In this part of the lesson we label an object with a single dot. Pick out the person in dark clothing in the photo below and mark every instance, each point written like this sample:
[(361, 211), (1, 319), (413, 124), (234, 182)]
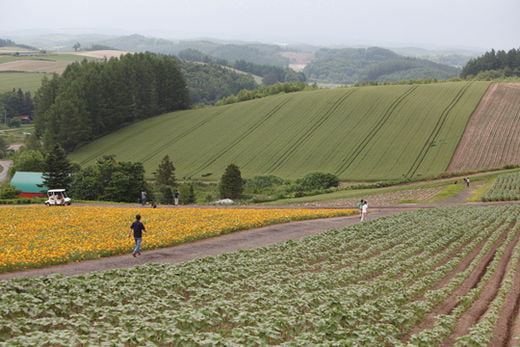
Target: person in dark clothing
[(137, 227)]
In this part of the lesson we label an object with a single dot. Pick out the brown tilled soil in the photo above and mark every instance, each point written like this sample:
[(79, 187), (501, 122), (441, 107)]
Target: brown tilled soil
[(491, 136)]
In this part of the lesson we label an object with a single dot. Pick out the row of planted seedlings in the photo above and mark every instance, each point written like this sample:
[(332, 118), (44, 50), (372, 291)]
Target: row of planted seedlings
[(446, 324), (481, 334), (366, 284), (419, 274), (505, 188)]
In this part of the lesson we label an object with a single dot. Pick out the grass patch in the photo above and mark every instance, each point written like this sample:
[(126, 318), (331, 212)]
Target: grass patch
[(410, 201), (448, 192)]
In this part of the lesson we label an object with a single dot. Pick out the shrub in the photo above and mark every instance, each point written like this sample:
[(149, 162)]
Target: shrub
[(318, 180)]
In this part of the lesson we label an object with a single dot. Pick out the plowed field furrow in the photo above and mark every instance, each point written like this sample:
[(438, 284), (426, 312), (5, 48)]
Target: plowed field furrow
[(507, 328), (241, 137), (347, 162), (319, 121), (491, 136), (488, 294), (477, 272), (435, 132)]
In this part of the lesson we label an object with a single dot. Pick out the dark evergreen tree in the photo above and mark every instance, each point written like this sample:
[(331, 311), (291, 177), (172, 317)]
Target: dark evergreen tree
[(57, 169), (508, 63), (165, 174), (3, 148), (231, 183), (190, 199), (91, 99)]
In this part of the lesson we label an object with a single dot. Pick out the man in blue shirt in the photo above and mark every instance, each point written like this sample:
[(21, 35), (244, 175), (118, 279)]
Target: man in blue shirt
[(138, 229)]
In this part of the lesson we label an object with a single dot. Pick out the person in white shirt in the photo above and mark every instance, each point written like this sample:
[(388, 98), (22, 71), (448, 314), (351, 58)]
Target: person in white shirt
[(364, 210)]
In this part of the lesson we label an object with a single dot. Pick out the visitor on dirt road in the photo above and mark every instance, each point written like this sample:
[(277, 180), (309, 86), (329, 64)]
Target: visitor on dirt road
[(364, 210), (138, 229), (143, 197), (176, 197), (360, 206)]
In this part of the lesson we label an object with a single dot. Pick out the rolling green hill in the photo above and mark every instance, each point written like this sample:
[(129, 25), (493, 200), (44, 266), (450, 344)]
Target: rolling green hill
[(357, 65), (364, 133)]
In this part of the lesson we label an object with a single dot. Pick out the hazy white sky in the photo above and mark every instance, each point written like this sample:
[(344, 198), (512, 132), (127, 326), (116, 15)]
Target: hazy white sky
[(429, 23)]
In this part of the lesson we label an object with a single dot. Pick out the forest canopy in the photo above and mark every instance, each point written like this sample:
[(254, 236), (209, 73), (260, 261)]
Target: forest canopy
[(91, 99), (358, 65), (506, 63)]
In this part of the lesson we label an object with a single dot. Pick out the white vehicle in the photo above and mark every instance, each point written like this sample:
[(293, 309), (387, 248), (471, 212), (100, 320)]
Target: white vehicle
[(57, 197)]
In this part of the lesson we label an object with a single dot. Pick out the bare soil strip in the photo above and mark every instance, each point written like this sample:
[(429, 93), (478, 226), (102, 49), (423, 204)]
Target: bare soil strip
[(491, 136), (508, 325)]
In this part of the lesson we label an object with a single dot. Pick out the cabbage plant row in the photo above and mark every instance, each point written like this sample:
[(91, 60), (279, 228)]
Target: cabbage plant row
[(367, 284), (505, 188)]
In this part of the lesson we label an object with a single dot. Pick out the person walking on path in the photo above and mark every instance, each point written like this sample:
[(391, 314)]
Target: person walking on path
[(176, 197), (364, 210), (143, 197), (360, 207), (137, 227)]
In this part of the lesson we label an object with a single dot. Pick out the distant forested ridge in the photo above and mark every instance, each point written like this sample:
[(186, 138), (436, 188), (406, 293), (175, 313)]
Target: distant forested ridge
[(9, 43), (6, 42), (92, 99), (257, 53), (270, 74), (208, 83), (502, 63), (357, 65)]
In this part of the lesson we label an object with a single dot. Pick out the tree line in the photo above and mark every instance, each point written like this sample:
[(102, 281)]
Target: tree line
[(92, 99), (208, 83), (508, 63), (16, 103), (270, 74)]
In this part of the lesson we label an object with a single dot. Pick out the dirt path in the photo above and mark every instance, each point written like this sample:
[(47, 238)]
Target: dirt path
[(5, 169), (241, 240)]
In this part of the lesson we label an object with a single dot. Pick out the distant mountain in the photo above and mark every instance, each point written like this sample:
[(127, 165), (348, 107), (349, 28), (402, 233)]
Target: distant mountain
[(258, 53), (358, 65)]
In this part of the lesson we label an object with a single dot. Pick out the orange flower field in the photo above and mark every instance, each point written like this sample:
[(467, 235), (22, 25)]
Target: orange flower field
[(37, 236)]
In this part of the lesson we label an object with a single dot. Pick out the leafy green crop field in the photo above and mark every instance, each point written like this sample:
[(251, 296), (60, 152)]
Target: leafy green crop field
[(359, 134), (372, 284), (505, 188)]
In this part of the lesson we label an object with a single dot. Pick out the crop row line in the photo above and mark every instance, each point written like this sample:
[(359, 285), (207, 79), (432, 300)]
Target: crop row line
[(241, 137), (180, 136), (436, 130), (483, 331), (317, 124), (446, 324), (373, 132)]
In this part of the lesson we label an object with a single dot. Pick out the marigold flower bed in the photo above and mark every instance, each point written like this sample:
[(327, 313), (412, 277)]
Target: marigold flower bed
[(39, 236)]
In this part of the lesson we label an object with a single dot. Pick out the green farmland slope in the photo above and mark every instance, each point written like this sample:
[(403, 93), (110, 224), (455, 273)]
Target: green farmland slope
[(364, 133)]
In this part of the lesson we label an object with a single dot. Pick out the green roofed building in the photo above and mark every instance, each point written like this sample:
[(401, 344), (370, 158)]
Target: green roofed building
[(30, 183)]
